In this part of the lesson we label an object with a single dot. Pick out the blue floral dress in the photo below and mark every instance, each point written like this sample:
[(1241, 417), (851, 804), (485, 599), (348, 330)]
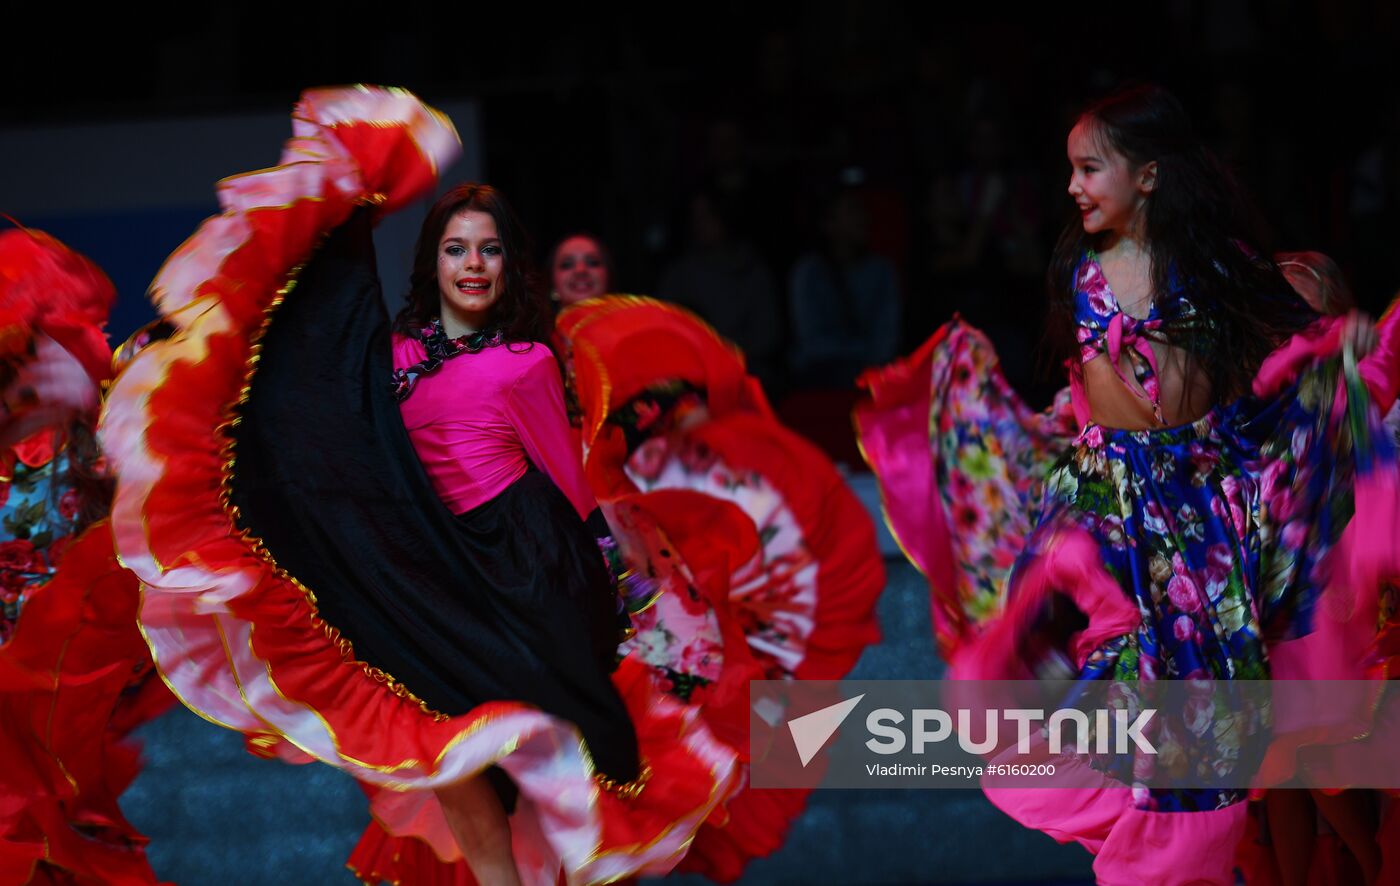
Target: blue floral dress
[(1206, 544), (1215, 529)]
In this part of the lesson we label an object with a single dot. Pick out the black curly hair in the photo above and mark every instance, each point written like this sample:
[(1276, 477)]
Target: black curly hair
[(521, 312)]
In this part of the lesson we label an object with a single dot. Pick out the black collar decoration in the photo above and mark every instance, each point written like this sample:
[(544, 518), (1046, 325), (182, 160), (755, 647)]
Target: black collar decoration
[(440, 349)]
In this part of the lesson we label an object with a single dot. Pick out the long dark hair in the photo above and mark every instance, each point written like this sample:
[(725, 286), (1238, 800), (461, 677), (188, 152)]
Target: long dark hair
[(1202, 233), (520, 313)]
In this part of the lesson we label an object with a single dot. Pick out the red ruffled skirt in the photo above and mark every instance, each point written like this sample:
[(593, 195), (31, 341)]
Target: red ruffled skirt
[(75, 678), (240, 641), (792, 567)]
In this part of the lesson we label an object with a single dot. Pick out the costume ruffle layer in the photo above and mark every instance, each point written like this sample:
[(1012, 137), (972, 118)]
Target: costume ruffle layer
[(1332, 863), (47, 288), (958, 457), (684, 635), (802, 596), (819, 572), (73, 682), (75, 676), (241, 642), (804, 603)]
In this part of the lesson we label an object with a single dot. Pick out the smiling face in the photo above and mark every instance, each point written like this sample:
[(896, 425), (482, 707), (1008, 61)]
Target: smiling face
[(579, 270), (1110, 191), (470, 271)]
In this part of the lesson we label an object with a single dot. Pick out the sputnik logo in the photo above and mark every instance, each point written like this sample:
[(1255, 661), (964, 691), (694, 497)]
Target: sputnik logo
[(811, 732)]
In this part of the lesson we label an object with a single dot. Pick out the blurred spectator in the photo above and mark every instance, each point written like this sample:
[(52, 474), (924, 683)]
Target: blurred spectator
[(722, 278), (580, 267), (986, 258), (1375, 209), (986, 217), (758, 200), (845, 302)]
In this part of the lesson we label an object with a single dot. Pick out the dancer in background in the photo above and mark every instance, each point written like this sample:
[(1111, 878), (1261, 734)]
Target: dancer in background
[(580, 268), (75, 676), (1318, 280), (1175, 506), (783, 556), (724, 279), (370, 549), (1293, 848)]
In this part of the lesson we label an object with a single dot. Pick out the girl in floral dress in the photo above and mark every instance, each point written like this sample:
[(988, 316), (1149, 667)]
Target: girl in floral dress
[(1181, 513)]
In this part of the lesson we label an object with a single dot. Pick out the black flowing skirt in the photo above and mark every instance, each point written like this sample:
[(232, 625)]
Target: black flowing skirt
[(510, 601)]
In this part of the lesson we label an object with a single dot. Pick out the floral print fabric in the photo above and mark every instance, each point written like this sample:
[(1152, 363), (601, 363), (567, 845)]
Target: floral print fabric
[(774, 596), (990, 454), (1218, 531), (37, 515), (1102, 327)]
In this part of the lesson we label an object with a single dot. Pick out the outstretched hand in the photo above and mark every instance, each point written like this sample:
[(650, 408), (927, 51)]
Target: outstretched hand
[(1359, 331)]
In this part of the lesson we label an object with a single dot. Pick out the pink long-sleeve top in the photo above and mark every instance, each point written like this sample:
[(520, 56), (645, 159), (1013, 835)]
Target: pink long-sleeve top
[(481, 419)]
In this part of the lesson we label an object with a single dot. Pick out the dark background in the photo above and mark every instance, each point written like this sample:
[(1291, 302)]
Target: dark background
[(609, 118)]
